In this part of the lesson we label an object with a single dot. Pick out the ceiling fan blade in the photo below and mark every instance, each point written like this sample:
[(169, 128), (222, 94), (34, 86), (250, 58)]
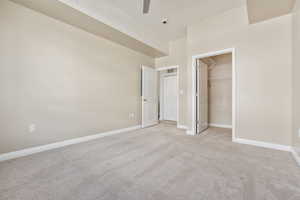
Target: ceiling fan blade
[(146, 6)]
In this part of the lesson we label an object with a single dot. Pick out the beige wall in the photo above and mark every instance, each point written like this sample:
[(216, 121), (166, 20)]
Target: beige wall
[(66, 81), (263, 69), (178, 57), (69, 83), (296, 75), (220, 90)]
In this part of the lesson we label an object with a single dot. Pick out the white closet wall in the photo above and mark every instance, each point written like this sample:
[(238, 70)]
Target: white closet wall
[(220, 90)]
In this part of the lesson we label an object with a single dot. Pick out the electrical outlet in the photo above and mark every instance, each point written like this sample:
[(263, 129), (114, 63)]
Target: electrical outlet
[(31, 128), (299, 132), (131, 115)]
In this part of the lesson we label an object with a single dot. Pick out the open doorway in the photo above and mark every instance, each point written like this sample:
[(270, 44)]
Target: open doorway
[(214, 91), (160, 97), (168, 94)]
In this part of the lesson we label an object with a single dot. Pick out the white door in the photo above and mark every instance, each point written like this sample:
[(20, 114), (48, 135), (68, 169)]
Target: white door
[(149, 97), (170, 98), (202, 97)]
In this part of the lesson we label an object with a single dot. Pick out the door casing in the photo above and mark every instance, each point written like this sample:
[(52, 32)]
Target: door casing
[(179, 91), (192, 130), (163, 106)]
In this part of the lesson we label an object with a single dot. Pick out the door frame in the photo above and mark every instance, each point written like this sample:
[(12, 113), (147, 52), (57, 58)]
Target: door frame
[(162, 95), (178, 89), (234, 93)]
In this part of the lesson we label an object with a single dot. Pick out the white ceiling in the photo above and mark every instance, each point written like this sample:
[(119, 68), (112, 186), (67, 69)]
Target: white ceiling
[(179, 12), (62, 12), (260, 10), (122, 21), (126, 16)]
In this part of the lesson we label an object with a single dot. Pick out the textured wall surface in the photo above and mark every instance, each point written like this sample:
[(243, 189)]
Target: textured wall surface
[(65, 81), (220, 90), (263, 71)]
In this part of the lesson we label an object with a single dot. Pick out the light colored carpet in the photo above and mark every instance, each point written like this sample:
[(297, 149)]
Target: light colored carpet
[(158, 163)]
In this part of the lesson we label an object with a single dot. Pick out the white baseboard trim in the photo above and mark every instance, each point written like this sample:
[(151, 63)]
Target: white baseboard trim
[(154, 123), (33, 150), (182, 127), (190, 132), (263, 144), (220, 125), (296, 155)]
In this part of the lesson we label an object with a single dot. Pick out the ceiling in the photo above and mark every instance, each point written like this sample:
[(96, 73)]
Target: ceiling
[(126, 16), (147, 32), (260, 10), (62, 12)]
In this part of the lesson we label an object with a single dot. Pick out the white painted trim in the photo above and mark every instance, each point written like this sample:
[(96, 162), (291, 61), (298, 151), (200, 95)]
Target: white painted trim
[(263, 144), (220, 125), (142, 98), (34, 150), (161, 113), (182, 127), (161, 100), (167, 68), (162, 95), (178, 94), (154, 123), (295, 155), (234, 93), (189, 132)]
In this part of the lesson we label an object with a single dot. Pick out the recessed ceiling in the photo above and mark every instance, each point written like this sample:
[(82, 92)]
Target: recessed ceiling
[(260, 10), (62, 12), (179, 12), (127, 15)]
